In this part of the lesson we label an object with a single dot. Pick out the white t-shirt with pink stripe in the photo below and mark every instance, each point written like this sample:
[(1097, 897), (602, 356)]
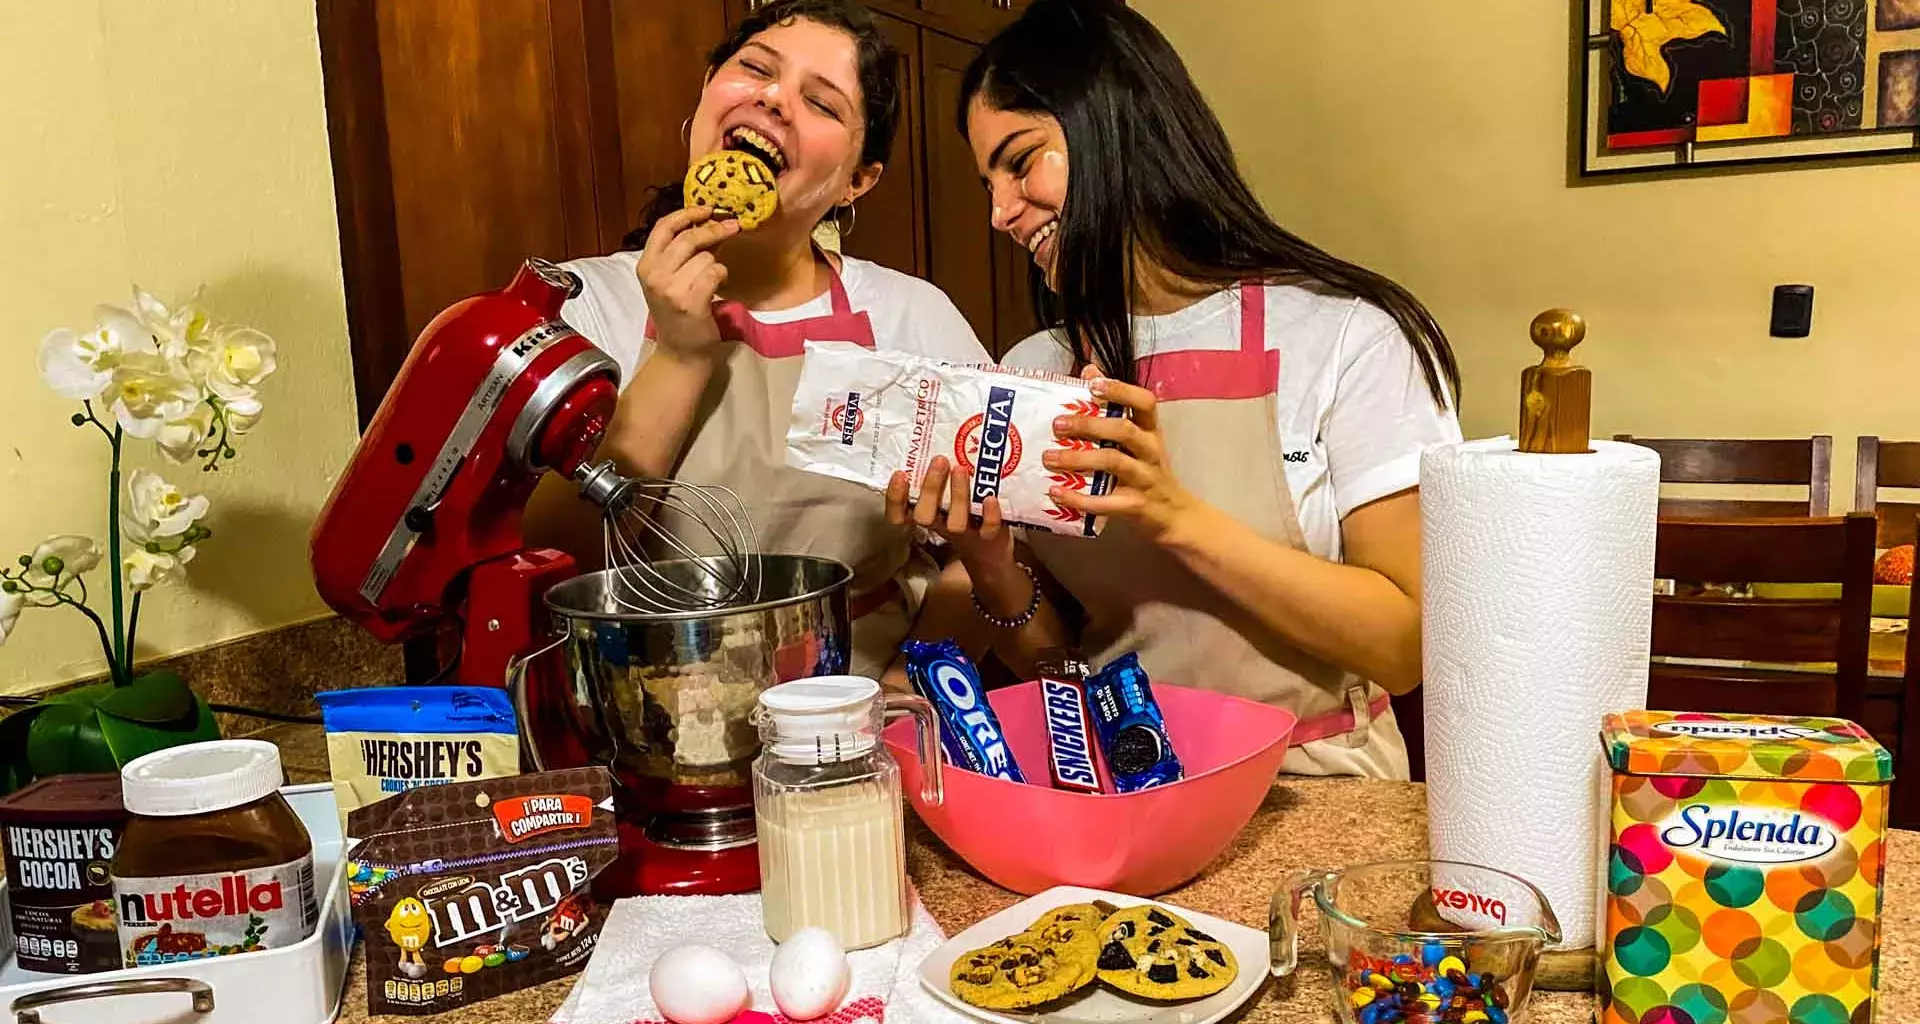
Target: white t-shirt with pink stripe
[(1353, 404)]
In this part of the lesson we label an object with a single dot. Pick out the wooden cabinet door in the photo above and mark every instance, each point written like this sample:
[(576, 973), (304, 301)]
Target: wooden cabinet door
[(959, 230), (978, 18), (467, 136), (659, 64), (891, 221)]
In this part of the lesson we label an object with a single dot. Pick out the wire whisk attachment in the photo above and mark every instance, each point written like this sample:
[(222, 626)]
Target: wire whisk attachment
[(658, 566)]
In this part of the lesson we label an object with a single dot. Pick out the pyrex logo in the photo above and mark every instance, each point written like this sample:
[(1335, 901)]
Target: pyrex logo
[(1749, 835), (953, 681), (1472, 903), (1736, 730)]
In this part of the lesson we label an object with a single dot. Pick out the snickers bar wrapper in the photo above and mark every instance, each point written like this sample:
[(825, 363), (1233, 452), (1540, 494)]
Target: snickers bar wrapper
[(472, 890), (862, 414)]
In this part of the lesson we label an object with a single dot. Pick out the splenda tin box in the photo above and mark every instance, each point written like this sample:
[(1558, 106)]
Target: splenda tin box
[(1744, 869)]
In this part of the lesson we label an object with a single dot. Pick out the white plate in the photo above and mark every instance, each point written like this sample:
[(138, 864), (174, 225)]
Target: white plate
[(1097, 1003)]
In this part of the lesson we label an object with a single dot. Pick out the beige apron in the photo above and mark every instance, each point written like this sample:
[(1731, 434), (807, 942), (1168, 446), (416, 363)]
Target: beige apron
[(739, 441), (1218, 416)]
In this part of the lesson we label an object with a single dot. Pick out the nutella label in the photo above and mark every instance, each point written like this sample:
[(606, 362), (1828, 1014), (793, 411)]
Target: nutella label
[(61, 896), (193, 917)]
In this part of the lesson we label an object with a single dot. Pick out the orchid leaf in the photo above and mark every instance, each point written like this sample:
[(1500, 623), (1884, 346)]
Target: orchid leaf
[(66, 738), (131, 739), (15, 768), (155, 698)]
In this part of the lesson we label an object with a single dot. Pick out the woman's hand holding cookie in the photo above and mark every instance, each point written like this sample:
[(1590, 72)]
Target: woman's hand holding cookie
[(680, 276)]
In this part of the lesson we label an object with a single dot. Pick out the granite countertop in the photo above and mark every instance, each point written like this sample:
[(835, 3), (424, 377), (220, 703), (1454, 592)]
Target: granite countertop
[(1305, 823)]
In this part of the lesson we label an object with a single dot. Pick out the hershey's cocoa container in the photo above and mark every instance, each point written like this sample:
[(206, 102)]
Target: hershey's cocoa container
[(60, 835)]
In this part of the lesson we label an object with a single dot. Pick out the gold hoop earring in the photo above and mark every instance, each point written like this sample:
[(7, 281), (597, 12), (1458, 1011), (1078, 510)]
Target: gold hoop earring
[(846, 218), (686, 133)]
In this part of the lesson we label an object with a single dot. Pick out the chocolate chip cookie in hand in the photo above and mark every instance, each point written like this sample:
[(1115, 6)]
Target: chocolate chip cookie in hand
[(733, 184)]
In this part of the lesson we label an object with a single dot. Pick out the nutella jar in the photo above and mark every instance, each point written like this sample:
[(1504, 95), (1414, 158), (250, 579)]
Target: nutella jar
[(214, 862), (60, 835)]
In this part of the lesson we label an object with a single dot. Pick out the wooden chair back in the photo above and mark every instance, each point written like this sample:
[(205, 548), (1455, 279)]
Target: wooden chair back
[(1762, 655), (1805, 462), (1880, 464)]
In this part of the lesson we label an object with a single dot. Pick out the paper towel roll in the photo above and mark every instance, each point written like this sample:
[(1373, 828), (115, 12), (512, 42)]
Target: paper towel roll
[(1538, 585)]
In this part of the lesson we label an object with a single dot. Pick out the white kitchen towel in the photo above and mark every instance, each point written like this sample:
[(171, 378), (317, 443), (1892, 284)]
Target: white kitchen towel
[(1538, 583), (614, 988)]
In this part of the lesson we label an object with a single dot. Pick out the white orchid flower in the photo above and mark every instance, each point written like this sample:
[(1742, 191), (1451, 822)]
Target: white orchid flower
[(145, 569), (181, 440), (233, 361), (58, 561), (243, 414), (157, 510), (149, 392), (80, 365), (10, 605), (174, 330)]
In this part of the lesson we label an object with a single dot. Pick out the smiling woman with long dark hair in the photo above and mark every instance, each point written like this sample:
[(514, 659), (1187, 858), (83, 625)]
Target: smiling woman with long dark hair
[(1265, 533)]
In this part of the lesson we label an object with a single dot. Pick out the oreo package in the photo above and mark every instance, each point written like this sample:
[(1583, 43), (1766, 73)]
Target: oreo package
[(1132, 732), (1073, 752), (969, 731)]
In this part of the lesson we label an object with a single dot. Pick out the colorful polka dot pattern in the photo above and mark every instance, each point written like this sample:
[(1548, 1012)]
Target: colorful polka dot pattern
[(1696, 939), (1688, 751)]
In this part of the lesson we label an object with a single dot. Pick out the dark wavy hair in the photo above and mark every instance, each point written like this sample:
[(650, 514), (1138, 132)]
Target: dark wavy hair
[(879, 85), (1153, 172)]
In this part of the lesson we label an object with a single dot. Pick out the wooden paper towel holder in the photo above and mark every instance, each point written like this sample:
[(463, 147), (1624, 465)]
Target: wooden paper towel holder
[(1556, 397), (1556, 410)]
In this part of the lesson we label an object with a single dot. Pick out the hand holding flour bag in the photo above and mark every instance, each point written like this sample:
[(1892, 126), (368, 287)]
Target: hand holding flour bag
[(861, 414)]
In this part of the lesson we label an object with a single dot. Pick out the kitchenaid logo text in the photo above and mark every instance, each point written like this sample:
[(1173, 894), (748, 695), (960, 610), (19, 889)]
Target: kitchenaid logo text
[(994, 435), (1067, 729), (55, 858), (1736, 730), (484, 908), (1749, 835), (966, 699), (1471, 902), (403, 764)]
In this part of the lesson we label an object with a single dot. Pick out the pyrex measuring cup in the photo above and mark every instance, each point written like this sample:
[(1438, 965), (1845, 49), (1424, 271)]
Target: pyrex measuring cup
[(1420, 942)]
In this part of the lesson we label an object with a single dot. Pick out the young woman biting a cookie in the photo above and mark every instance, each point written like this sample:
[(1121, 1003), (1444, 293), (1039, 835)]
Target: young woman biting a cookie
[(722, 285), (1266, 519)]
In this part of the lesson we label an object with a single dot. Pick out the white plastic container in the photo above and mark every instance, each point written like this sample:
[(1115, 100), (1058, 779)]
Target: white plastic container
[(300, 984)]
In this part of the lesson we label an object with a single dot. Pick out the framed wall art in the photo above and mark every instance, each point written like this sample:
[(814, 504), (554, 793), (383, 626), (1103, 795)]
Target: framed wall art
[(1682, 84)]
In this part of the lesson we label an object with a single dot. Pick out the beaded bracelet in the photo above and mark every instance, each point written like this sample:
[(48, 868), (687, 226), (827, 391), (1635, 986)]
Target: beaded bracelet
[(1033, 606)]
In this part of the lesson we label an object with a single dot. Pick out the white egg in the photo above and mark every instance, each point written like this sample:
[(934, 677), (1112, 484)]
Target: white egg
[(810, 974), (698, 985)]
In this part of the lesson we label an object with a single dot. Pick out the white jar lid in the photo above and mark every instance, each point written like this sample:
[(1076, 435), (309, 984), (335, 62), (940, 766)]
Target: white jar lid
[(823, 719), (200, 778)]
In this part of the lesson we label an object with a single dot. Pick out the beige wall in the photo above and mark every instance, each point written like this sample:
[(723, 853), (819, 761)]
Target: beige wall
[(1429, 141), (170, 144)]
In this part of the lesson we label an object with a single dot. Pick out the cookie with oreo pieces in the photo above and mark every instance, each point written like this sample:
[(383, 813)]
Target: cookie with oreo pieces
[(1151, 952)]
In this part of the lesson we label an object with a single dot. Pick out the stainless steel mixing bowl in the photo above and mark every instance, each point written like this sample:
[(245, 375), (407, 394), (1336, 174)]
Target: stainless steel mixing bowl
[(665, 698)]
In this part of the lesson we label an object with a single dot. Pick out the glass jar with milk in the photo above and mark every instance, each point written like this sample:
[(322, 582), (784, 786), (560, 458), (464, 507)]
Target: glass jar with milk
[(826, 800)]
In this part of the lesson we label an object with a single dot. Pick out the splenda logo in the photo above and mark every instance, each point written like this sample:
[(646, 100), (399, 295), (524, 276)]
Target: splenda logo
[(1749, 835)]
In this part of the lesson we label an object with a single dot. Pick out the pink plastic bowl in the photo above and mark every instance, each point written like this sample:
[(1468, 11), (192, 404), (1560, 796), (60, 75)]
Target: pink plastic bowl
[(1029, 838)]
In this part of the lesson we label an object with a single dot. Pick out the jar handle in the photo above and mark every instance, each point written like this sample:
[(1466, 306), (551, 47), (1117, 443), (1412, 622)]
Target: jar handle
[(1283, 919), (927, 729)]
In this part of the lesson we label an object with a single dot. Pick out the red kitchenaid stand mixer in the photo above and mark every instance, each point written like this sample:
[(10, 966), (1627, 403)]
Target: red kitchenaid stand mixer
[(422, 535)]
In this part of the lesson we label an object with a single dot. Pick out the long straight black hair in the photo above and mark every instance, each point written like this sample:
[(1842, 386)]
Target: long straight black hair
[(879, 74), (1153, 173)]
